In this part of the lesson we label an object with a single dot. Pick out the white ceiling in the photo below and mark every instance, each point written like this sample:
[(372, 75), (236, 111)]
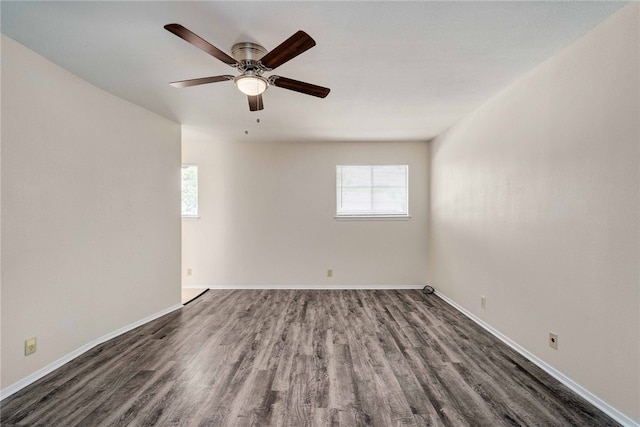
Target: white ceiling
[(397, 70)]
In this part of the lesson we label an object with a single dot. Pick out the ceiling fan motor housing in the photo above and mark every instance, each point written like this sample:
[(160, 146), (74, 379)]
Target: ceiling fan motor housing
[(248, 56)]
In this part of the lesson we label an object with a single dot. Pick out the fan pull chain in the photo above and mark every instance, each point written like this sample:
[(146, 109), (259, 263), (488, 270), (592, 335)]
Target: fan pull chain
[(246, 132), (246, 120)]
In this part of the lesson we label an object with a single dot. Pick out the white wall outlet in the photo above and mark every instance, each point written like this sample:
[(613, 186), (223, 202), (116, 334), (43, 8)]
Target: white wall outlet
[(483, 301), (29, 346), (189, 272), (553, 340), (329, 273)]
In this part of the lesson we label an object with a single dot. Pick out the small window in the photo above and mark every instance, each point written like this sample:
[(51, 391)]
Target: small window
[(372, 191), (190, 191)]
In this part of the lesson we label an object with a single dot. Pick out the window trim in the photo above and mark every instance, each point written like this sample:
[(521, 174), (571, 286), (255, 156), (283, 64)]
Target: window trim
[(368, 215), (384, 217)]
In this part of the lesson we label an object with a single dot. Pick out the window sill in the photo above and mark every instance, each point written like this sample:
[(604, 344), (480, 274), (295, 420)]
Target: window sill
[(190, 218), (372, 218)]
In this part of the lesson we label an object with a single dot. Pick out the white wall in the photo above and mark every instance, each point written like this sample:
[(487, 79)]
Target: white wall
[(267, 217), (535, 204), (90, 212)]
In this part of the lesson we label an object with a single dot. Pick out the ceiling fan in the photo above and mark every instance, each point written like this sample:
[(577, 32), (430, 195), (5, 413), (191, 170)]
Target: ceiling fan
[(252, 60)]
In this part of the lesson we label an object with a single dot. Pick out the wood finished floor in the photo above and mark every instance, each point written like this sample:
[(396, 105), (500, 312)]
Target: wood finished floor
[(302, 358)]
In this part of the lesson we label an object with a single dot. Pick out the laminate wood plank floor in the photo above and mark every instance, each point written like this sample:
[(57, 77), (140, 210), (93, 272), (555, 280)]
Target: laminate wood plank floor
[(302, 358)]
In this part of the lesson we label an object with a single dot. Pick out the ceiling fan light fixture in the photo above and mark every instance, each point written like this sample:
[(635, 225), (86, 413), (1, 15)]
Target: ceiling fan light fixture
[(251, 85)]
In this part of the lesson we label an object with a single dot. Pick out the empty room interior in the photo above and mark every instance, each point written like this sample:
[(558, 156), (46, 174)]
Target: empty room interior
[(320, 213)]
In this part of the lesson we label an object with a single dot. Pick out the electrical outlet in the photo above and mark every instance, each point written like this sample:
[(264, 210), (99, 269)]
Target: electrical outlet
[(29, 346), (483, 301), (329, 273), (553, 340), (189, 272)]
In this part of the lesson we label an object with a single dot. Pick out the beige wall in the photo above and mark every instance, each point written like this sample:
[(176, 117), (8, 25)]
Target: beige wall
[(267, 217), (535, 204), (90, 212)]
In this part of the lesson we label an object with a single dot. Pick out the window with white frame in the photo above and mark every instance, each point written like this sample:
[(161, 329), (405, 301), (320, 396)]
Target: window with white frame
[(372, 191), (190, 191)]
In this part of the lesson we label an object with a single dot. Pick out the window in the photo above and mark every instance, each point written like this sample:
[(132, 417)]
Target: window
[(372, 191), (190, 191)]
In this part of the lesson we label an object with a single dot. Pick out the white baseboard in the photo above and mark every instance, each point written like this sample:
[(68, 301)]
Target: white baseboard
[(316, 287), (583, 392), (69, 357)]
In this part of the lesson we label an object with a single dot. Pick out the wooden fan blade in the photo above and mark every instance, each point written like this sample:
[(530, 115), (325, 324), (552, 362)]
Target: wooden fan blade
[(302, 87), (200, 43), (255, 103), (288, 49), (201, 81)]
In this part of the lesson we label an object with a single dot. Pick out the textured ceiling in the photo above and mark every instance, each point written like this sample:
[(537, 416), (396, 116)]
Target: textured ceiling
[(397, 70)]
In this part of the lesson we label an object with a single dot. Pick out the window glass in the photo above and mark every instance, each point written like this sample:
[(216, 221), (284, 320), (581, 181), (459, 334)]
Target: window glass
[(189, 190), (372, 190)]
